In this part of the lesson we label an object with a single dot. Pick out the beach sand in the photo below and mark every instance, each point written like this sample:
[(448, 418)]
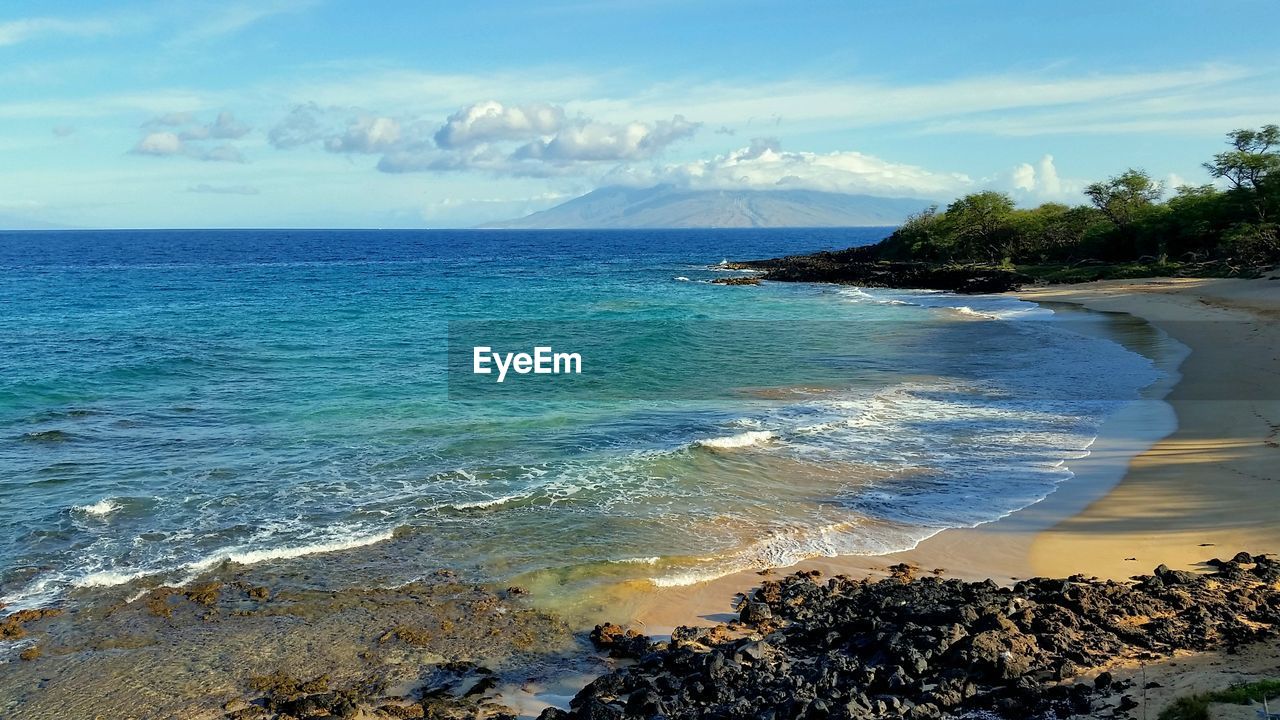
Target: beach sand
[(1146, 494), (1213, 486)]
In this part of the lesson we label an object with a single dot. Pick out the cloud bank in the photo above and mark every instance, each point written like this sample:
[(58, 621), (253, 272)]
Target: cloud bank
[(542, 140), (531, 140), (491, 121), (181, 134), (764, 165)]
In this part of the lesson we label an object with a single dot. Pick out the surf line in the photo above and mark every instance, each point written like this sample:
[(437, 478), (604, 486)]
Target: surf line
[(543, 361)]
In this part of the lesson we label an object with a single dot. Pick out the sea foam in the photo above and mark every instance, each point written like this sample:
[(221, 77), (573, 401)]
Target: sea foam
[(740, 440), (102, 508)]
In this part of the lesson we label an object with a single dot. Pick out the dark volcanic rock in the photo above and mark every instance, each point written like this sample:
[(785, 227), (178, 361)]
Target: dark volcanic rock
[(736, 281), (930, 648), (858, 266), (620, 642), (755, 612)]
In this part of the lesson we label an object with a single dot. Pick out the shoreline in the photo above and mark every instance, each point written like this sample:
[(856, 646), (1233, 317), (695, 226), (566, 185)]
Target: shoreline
[(1213, 481), (1062, 534), (1109, 519)]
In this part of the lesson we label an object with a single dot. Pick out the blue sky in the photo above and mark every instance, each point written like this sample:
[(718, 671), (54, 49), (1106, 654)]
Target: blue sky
[(320, 113)]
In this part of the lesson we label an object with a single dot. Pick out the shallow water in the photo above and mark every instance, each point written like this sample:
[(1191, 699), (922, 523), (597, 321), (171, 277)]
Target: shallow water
[(174, 401)]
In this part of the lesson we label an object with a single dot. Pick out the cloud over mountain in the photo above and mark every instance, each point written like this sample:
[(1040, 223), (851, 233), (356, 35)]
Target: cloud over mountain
[(764, 165)]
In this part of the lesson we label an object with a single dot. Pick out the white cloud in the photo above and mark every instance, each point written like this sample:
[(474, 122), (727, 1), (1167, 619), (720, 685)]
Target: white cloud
[(1038, 183), (530, 140), (303, 125), (607, 142), (1023, 177), (171, 119), (367, 134), (492, 121), (22, 30), (221, 153), (228, 18), (431, 94), (1173, 181), (763, 165), (364, 133), (161, 144), (224, 127), (1047, 180), (997, 104), (184, 136)]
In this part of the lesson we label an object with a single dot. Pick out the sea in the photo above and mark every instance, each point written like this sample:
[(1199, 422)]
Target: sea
[(177, 402)]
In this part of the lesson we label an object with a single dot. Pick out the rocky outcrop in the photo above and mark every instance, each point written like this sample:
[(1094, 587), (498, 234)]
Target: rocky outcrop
[(858, 266), (932, 648), (736, 281)]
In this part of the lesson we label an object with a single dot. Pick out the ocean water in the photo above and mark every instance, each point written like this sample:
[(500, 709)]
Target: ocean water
[(174, 402)]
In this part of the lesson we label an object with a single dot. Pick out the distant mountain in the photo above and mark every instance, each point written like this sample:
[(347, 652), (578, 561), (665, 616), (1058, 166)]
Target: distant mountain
[(17, 222), (667, 206)]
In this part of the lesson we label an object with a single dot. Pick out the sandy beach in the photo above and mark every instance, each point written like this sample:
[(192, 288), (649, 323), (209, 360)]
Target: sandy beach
[(1149, 492), (1213, 482)]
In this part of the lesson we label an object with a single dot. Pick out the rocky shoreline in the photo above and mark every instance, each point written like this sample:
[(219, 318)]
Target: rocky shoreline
[(908, 647), (802, 647), (860, 266)]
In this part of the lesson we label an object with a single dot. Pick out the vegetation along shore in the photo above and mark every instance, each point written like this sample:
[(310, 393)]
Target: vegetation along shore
[(982, 243)]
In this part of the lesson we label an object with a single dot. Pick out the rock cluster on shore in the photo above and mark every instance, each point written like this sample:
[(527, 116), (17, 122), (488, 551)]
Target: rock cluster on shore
[(930, 648), (858, 266)]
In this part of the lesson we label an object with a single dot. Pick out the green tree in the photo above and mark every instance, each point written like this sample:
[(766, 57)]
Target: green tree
[(1122, 198), (982, 225), (1053, 232), (1197, 216), (922, 237), (1251, 166)]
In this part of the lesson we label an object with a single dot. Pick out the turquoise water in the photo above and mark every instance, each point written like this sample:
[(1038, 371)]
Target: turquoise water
[(174, 401)]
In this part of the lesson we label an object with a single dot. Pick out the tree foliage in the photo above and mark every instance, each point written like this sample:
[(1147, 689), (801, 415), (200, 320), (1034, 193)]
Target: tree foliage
[(1251, 167), (1124, 219), (1123, 197)]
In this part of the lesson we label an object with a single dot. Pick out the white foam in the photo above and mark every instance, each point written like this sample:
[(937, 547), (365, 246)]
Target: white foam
[(473, 504), (39, 591), (991, 307), (102, 508), (638, 561), (723, 266), (251, 557), (107, 578), (859, 295), (741, 440), (1022, 310), (785, 548), (691, 578), (682, 278)]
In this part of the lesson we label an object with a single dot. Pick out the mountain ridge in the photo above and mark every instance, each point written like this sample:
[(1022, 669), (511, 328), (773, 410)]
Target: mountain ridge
[(668, 206)]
